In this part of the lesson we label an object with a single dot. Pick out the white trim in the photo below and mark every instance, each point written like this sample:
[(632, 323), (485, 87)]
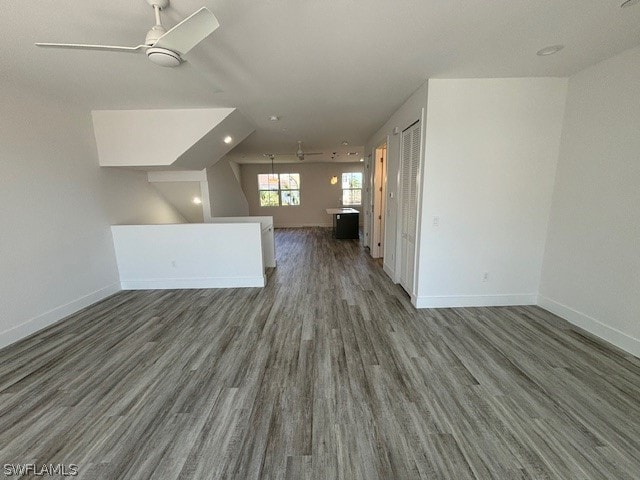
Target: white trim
[(189, 283), (419, 182), (455, 301), (55, 315), (400, 202), (377, 251), (592, 325)]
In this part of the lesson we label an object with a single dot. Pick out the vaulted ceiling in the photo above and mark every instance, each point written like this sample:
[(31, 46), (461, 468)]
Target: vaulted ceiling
[(332, 70)]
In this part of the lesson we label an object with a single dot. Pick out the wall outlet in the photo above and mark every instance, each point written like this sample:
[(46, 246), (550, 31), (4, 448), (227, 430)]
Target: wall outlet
[(174, 264), (485, 277), (436, 221)]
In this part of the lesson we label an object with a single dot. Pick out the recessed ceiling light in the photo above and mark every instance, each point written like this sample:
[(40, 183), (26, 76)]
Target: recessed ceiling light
[(228, 139), (274, 118), (629, 3), (362, 159), (549, 50), (197, 200)]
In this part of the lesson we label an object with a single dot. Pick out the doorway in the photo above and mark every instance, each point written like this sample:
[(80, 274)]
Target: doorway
[(379, 193), (409, 171)]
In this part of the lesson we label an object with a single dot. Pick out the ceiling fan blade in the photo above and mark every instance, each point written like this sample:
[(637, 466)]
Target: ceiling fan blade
[(189, 32), (79, 46), (295, 154)]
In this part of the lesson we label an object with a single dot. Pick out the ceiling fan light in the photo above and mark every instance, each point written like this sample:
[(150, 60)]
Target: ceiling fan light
[(164, 57)]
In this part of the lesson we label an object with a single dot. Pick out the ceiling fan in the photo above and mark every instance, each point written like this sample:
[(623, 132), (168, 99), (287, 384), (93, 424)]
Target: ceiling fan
[(162, 47), (299, 153)]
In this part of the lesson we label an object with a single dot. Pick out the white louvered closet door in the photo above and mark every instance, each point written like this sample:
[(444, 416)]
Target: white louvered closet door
[(409, 165)]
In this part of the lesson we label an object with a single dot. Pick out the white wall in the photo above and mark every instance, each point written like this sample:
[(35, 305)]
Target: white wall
[(406, 115), (180, 187), (491, 154), (225, 193), (56, 252), (180, 195), (126, 196), (189, 256), (152, 137), (591, 272), (316, 192), (268, 239)]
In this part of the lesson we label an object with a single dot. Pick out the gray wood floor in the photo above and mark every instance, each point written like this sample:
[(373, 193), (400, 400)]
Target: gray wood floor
[(326, 373)]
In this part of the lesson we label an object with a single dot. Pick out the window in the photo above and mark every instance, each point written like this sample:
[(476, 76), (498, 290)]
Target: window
[(268, 188), (352, 188), (279, 189)]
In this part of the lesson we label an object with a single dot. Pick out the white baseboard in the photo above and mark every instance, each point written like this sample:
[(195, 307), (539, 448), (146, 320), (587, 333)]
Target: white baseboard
[(55, 315), (193, 283), (455, 301), (591, 325)]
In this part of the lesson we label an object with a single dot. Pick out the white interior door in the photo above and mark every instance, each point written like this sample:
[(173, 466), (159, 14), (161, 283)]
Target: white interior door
[(409, 164)]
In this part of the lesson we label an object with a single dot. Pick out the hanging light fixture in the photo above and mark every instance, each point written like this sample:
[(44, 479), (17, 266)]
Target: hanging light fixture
[(334, 179)]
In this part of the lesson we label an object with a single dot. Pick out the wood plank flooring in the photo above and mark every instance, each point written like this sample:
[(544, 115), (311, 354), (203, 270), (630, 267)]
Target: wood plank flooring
[(327, 373)]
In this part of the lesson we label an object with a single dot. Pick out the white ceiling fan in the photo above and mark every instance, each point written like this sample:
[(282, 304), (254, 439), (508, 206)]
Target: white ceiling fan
[(299, 153), (162, 47)]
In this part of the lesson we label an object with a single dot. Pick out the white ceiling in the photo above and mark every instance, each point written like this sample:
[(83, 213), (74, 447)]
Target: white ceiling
[(333, 70)]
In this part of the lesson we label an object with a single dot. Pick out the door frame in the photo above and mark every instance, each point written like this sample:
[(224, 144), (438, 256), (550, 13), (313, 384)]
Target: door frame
[(419, 193), (379, 251)]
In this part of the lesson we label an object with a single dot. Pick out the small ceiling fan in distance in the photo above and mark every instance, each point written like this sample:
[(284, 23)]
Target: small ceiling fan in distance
[(163, 47), (299, 153)]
